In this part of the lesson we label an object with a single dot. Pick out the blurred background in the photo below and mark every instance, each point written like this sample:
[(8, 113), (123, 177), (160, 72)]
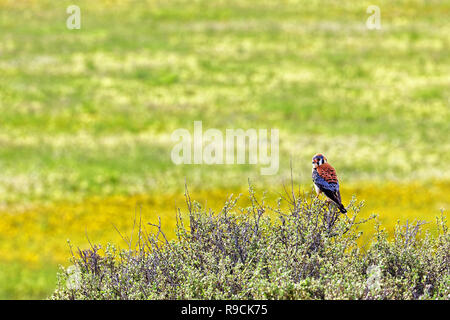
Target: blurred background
[(86, 115)]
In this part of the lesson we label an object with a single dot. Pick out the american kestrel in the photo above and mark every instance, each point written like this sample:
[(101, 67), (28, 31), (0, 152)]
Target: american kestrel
[(326, 181)]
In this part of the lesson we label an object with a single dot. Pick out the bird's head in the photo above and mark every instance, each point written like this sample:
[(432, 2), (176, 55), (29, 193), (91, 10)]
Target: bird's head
[(318, 160)]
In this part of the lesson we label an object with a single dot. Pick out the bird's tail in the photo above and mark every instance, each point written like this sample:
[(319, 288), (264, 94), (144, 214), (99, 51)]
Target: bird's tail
[(342, 208)]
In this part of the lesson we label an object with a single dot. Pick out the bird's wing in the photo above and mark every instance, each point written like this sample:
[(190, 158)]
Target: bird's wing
[(323, 184), (327, 172), (326, 179)]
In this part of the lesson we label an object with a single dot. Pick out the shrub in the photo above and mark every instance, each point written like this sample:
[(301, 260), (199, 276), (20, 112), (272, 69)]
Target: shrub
[(299, 249)]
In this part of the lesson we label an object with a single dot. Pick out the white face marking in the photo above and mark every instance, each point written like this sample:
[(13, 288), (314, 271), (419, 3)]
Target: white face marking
[(321, 161)]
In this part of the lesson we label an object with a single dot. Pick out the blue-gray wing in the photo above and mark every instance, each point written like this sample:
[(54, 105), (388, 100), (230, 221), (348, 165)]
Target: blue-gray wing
[(324, 185), (330, 189)]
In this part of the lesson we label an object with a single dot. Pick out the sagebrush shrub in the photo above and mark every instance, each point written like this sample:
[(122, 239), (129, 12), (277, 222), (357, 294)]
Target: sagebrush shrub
[(298, 249)]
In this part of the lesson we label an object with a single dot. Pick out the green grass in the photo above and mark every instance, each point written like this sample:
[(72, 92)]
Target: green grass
[(90, 112), (19, 282)]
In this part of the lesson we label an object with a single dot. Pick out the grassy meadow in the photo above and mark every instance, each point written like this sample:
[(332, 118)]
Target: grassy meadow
[(86, 116)]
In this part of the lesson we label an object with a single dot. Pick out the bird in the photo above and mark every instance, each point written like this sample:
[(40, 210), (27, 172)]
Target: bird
[(326, 181)]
